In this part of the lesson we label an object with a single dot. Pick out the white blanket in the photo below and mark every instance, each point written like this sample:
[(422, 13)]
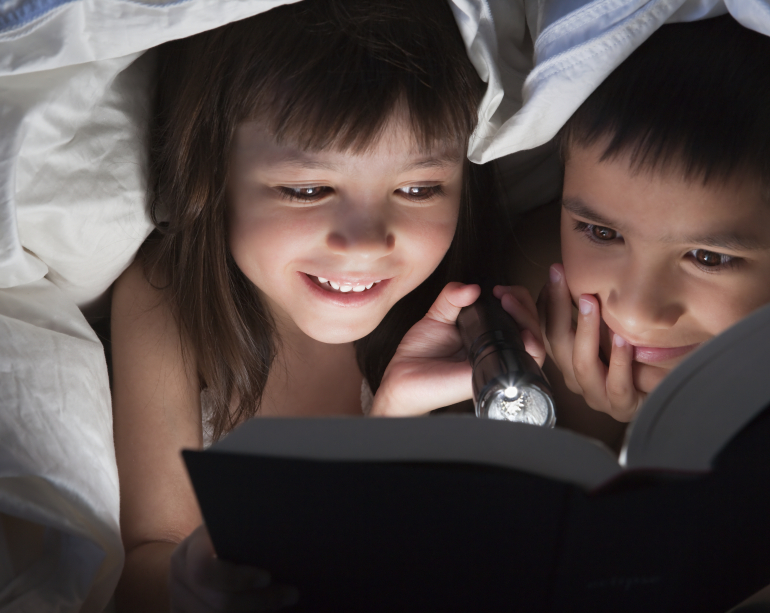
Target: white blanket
[(73, 110)]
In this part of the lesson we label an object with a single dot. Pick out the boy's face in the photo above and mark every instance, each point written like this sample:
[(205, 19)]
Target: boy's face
[(672, 262)]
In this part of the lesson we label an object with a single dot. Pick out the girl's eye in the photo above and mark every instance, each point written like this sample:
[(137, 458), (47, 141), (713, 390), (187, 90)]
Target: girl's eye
[(598, 234), (414, 192), (305, 194), (710, 260)]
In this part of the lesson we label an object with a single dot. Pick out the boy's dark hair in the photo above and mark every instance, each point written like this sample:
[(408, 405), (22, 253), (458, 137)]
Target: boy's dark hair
[(318, 74), (694, 97)]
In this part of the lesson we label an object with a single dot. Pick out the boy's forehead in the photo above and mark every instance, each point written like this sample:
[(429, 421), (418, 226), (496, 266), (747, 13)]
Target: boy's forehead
[(665, 206), (672, 166)]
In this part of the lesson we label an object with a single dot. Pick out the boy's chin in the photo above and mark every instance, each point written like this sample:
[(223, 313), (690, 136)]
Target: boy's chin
[(648, 377)]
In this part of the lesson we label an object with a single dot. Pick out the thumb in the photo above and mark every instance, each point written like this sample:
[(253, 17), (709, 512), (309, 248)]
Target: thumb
[(452, 298)]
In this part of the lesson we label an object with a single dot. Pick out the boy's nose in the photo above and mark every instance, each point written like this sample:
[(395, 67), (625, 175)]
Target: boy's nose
[(360, 233), (644, 300)]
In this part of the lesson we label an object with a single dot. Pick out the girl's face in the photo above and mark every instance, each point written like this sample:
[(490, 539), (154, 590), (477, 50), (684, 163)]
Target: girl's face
[(672, 262), (334, 239)]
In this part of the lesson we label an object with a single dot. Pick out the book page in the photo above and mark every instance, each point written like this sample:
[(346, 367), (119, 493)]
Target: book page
[(557, 454)]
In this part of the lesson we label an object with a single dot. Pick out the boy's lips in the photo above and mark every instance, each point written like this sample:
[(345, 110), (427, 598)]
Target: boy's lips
[(654, 355)]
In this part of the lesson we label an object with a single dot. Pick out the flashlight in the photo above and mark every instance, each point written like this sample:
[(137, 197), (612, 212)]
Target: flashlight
[(507, 382)]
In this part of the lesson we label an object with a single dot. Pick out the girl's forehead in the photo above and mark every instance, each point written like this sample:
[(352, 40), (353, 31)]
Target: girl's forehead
[(397, 144)]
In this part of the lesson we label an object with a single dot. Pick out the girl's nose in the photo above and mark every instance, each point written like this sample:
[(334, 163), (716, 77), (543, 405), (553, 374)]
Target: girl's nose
[(361, 233), (645, 300)]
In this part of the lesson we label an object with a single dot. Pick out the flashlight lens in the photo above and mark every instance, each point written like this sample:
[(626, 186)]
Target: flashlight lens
[(529, 406)]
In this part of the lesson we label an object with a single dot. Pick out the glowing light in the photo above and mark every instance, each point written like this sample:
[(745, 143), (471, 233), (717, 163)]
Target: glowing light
[(511, 392)]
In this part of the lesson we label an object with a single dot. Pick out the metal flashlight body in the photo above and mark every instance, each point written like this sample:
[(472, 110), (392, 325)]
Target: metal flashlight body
[(507, 382)]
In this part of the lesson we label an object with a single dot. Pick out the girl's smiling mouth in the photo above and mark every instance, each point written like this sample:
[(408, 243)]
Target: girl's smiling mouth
[(348, 293), (344, 285)]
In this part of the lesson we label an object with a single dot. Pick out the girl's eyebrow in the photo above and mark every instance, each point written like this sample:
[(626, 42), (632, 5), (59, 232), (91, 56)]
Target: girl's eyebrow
[(301, 160), (441, 161)]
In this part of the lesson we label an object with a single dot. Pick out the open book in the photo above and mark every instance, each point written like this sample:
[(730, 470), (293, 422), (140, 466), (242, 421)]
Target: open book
[(459, 513)]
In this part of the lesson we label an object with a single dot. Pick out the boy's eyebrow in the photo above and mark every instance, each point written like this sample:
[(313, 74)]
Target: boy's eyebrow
[(727, 240), (730, 241), (577, 207)]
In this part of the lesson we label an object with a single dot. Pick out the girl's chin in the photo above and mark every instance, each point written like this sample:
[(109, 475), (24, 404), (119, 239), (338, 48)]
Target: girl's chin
[(337, 332)]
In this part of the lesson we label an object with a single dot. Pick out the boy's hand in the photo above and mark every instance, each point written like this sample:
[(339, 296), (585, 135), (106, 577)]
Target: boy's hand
[(610, 389), (429, 369), (518, 303)]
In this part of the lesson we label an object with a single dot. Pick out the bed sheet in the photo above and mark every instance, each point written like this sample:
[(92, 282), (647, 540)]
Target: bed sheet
[(74, 92)]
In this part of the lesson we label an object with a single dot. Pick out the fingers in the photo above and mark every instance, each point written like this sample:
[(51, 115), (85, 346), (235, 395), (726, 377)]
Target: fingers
[(412, 387), (609, 389), (452, 298), (518, 303), (623, 397), (204, 567), (429, 369), (201, 582), (589, 371), (555, 310)]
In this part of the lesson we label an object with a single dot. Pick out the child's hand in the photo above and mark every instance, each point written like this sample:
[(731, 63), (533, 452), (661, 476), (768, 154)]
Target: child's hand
[(518, 303), (429, 369), (201, 582), (576, 351)]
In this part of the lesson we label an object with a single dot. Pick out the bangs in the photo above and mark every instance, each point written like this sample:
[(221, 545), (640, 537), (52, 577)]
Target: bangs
[(333, 74), (693, 99)]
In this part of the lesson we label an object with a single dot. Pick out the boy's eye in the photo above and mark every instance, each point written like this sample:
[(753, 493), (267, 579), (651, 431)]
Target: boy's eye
[(711, 259), (597, 234), (603, 234), (417, 192), (305, 194)]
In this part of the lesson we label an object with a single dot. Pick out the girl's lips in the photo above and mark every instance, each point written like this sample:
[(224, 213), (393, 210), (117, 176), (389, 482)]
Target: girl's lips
[(343, 299), (653, 355)]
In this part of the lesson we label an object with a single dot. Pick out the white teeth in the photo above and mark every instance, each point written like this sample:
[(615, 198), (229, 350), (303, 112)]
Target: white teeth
[(346, 287), (378, 280)]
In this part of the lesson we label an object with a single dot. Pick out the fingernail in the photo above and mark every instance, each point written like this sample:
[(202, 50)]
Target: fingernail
[(586, 307), (509, 297), (619, 341), (554, 274)]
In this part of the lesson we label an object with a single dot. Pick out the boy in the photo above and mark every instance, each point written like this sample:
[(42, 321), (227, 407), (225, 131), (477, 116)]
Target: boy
[(665, 220)]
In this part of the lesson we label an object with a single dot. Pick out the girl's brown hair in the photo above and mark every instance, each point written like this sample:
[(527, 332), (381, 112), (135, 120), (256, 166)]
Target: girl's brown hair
[(318, 74)]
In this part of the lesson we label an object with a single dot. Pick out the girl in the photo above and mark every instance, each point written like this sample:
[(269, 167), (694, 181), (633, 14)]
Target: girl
[(312, 198)]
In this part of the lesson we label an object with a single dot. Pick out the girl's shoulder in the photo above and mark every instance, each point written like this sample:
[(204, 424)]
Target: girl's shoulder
[(146, 337), (135, 294)]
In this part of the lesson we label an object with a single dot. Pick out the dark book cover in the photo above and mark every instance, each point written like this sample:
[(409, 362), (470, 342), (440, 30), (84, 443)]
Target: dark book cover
[(439, 536)]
